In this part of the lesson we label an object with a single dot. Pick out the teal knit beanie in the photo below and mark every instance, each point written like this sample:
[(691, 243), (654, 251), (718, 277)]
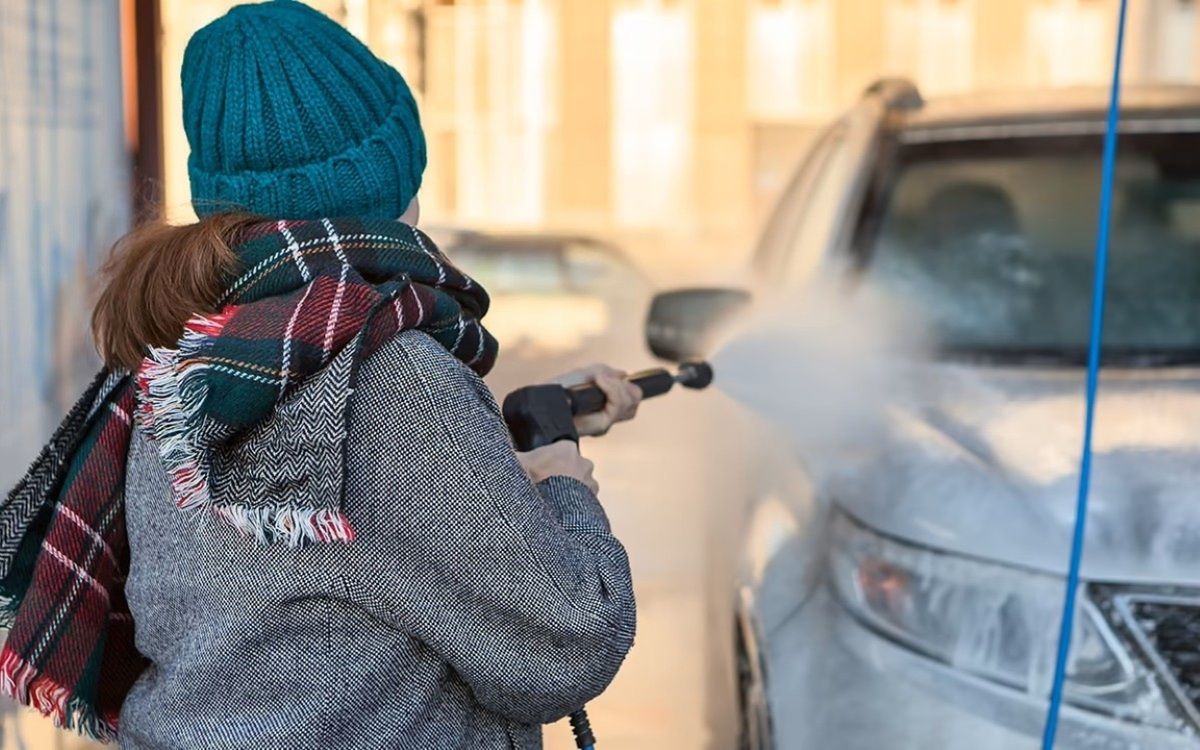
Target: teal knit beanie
[(291, 117)]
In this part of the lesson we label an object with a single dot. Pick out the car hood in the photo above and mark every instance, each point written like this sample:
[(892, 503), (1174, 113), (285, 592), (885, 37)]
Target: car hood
[(986, 463)]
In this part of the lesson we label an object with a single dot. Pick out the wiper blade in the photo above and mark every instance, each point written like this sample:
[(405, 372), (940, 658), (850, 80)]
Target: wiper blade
[(1120, 356)]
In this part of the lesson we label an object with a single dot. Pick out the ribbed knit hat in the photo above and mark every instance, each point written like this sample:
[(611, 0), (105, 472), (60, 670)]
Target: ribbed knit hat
[(290, 116)]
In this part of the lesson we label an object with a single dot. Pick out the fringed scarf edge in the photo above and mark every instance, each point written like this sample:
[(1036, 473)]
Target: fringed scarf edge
[(172, 389), (25, 684)]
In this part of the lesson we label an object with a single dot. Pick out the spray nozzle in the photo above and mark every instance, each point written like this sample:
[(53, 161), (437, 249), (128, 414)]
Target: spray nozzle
[(697, 374)]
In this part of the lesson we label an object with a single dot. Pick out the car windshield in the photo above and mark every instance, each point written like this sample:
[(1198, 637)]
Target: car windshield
[(992, 242)]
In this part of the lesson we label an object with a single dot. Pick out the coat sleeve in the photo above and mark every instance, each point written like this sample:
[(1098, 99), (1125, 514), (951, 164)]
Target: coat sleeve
[(522, 589)]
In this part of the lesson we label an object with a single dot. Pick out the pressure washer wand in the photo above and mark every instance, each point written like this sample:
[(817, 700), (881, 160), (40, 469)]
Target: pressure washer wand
[(539, 415)]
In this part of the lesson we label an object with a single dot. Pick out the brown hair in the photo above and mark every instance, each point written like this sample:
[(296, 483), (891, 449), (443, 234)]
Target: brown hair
[(158, 276)]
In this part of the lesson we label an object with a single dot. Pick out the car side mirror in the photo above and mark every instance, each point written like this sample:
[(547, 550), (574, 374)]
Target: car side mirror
[(683, 324)]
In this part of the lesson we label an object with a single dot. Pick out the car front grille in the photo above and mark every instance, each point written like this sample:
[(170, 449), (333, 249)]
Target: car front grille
[(1173, 630), (1164, 626)]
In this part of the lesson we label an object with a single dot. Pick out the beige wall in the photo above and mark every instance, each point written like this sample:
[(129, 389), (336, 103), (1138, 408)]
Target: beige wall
[(682, 118), (579, 140)]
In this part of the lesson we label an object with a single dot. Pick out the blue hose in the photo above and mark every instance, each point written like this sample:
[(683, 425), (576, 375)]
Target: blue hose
[(1093, 377)]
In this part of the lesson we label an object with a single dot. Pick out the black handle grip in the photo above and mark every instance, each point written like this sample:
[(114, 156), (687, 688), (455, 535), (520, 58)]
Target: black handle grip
[(653, 382), (586, 399), (538, 415)]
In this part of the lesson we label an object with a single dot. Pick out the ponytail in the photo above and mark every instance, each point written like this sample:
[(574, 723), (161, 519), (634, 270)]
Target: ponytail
[(157, 278)]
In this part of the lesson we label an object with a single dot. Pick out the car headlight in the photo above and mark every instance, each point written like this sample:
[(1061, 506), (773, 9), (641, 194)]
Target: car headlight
[(994, 621)]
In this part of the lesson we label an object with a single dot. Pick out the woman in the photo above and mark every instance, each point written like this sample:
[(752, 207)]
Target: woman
[(289, 515)]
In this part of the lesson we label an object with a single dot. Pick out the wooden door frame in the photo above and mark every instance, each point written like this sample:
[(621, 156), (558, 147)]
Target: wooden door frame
[(142, 26)]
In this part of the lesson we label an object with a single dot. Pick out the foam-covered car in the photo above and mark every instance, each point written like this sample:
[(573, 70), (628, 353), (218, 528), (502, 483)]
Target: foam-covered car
[(912, 601)]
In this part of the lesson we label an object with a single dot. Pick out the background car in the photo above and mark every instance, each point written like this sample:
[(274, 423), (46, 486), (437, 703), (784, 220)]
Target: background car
[(557, 299), (909, 596)]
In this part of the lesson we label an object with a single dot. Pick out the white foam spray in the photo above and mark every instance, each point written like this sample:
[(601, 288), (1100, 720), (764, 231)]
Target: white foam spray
[(823, 366)]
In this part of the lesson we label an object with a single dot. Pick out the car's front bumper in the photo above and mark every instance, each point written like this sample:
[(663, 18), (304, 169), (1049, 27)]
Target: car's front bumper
[(835, 684)]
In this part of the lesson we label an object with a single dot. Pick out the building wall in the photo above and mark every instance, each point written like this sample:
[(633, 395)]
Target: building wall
[(64, 198), (682, 118)]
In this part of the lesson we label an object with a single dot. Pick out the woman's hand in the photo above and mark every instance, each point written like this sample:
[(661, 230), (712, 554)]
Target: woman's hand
[(622, 397), (561, 459)]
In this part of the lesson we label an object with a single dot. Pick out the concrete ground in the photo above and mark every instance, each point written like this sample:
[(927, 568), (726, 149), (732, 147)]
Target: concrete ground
[(657, 489), (658, 698)]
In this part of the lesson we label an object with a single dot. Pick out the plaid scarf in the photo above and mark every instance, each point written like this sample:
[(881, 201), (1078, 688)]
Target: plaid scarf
[(305, 291)]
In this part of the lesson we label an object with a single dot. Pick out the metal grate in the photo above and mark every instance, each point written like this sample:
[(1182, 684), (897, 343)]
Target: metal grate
[(1173, 631), (1164, 624)]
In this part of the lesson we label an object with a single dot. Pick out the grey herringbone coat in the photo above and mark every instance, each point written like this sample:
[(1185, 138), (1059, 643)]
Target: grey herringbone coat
[(471, 607)]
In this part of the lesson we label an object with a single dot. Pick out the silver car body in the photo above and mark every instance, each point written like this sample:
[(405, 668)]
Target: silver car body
[(980, 479)]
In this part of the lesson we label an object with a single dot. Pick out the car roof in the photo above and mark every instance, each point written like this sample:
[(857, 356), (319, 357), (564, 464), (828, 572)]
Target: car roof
[(531, 243), (1085, 106)]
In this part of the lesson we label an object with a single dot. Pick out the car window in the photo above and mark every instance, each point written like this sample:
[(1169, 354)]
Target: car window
[(589, 266), (992, 243), (827, 206), (780, 232), (509, 271), (817, 207)]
